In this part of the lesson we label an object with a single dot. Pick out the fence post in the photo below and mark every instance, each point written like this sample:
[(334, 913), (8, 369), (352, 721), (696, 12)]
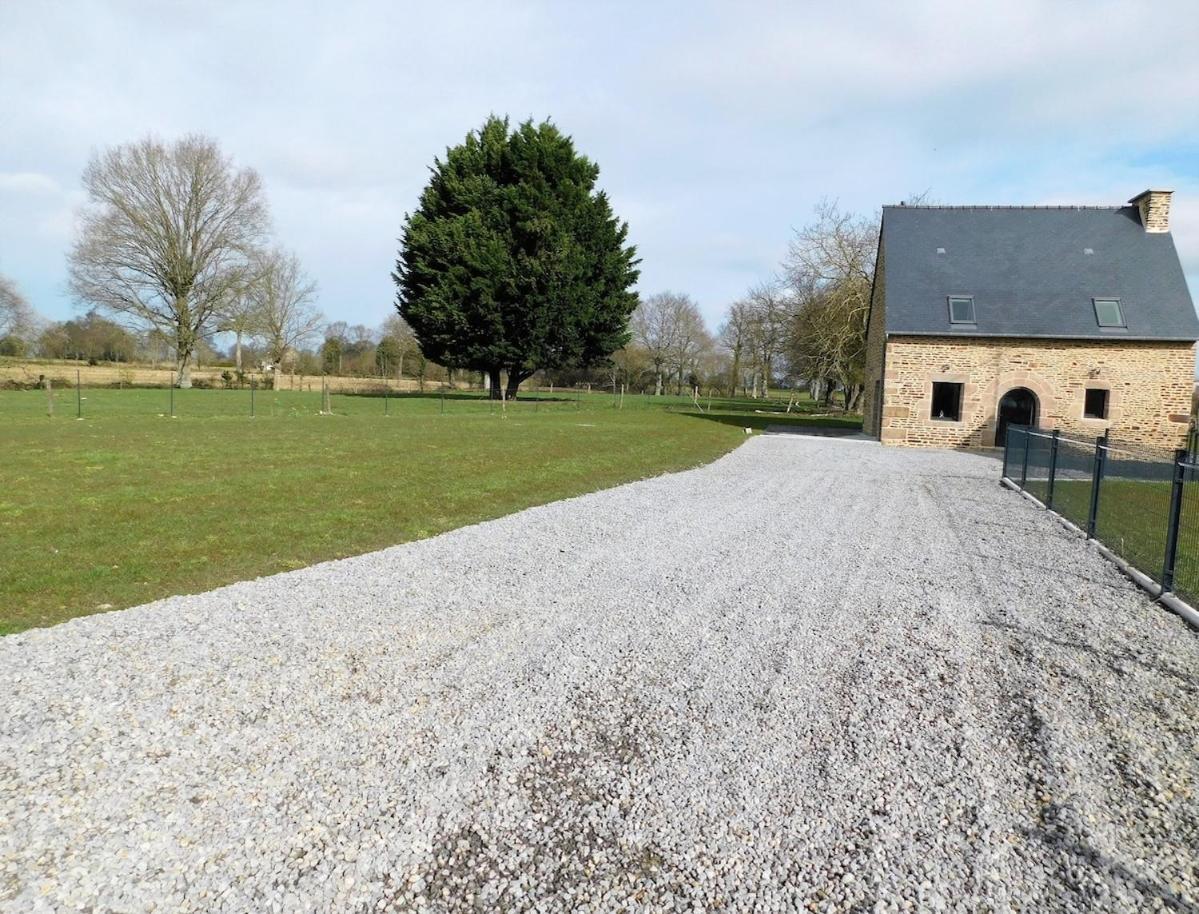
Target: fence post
[(1052, 468), (78, 397), (1007, 450), (253, 386), (1096, 480), (1027, 448), (1179, 480)]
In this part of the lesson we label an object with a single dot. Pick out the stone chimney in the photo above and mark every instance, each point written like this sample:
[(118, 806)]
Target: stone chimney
[(1155, 209)]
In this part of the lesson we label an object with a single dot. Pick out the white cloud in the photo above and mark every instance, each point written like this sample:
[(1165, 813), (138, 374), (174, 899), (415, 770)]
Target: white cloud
[(717, 126), (28, 183)]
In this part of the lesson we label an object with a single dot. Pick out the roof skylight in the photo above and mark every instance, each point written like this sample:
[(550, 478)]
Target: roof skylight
[(1108, 312), (961, 309)]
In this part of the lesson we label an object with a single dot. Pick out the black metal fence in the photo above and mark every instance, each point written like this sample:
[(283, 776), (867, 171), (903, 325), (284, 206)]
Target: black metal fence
[(1141, 504)]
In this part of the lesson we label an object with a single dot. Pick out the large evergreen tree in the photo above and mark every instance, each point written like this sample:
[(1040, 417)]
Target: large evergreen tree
[(514, 261)]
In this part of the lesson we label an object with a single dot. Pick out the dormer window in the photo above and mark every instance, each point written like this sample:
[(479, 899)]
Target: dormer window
[(961, 309), (1108, 312)]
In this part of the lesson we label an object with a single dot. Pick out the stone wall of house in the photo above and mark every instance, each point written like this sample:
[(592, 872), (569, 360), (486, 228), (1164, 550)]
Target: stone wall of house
[(876, 340), (1149, 384)]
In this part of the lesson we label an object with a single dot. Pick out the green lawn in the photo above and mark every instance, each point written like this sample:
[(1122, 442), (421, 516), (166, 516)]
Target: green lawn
[(129, 504), (1132, 521)]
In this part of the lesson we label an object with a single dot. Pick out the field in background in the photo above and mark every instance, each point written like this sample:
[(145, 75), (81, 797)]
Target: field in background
[(21, 372), (129, 505)]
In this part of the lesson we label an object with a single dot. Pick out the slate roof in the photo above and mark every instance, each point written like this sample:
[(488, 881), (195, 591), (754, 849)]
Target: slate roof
[(1030, 274)]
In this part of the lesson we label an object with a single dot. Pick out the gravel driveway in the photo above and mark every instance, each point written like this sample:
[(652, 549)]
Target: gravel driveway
[(814, 675)]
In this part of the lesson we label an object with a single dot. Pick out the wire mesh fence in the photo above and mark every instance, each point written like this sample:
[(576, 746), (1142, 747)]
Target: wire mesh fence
[(1133, 506), (1141, 503), (1073, 478), (1185, 580)]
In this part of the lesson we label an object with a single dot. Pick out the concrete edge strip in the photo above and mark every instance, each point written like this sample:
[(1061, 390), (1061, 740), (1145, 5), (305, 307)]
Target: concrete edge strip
[(1171, 601)]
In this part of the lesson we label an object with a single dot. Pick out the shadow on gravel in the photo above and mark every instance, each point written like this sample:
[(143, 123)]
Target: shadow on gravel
[(1060, 828), (804, 425), (1109, 658), (1072, 847), (1089, 580)]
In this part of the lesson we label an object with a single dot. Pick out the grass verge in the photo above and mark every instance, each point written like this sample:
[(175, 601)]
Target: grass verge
[(130, 505)]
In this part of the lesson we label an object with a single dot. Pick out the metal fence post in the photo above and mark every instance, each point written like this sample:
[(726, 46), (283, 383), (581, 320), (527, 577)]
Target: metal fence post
[(78, 396), (1052, 468), (1180, 460), (1027, 447), (172, 394), (1096, 480), (253, 387), (1007, 450)]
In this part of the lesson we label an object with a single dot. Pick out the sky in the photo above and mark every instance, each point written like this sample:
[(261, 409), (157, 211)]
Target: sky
[(717, 126)]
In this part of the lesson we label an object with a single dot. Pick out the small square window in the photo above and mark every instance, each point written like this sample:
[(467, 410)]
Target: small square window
[(947, 401), (961, 309), (1108, 313), (1095, 404)]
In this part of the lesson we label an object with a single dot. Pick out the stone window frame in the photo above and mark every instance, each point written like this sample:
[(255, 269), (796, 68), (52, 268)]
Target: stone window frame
[(1101, 412), (960, 378), (1113, 403)]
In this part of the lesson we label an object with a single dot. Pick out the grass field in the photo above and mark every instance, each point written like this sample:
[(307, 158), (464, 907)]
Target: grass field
[(129, 505), (1132, 520)]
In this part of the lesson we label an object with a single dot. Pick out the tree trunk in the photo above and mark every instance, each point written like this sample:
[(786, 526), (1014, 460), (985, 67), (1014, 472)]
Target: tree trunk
[(237, 351), (516, 377), (658, 385), (183, 371), (400, 368), (494, 383)]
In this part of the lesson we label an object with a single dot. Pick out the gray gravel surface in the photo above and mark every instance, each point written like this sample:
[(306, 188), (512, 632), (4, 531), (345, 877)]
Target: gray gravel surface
[(814, 675)]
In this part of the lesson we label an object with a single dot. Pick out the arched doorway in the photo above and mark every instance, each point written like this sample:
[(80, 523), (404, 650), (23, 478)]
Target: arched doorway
[(1016, 407)]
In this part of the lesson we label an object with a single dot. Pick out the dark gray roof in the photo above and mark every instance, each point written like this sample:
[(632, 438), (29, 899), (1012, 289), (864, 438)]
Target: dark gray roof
[(1030, 274)]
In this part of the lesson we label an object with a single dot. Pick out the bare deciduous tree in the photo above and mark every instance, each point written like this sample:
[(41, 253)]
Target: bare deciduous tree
[(769, 312), (283, 297), (830, 268), (167, 237), (241, 317), (17, 318), (668, 326), (396, 329), (691, 341), (735, 336)]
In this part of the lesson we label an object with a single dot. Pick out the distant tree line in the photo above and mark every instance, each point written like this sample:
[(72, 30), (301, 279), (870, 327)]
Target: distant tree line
[(804, 327), (512, 267)]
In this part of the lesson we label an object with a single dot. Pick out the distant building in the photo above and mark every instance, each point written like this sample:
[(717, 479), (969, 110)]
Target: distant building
[(1068, 317)]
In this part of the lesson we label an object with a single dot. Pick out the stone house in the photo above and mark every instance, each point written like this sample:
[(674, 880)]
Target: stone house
[(1068, 317)]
